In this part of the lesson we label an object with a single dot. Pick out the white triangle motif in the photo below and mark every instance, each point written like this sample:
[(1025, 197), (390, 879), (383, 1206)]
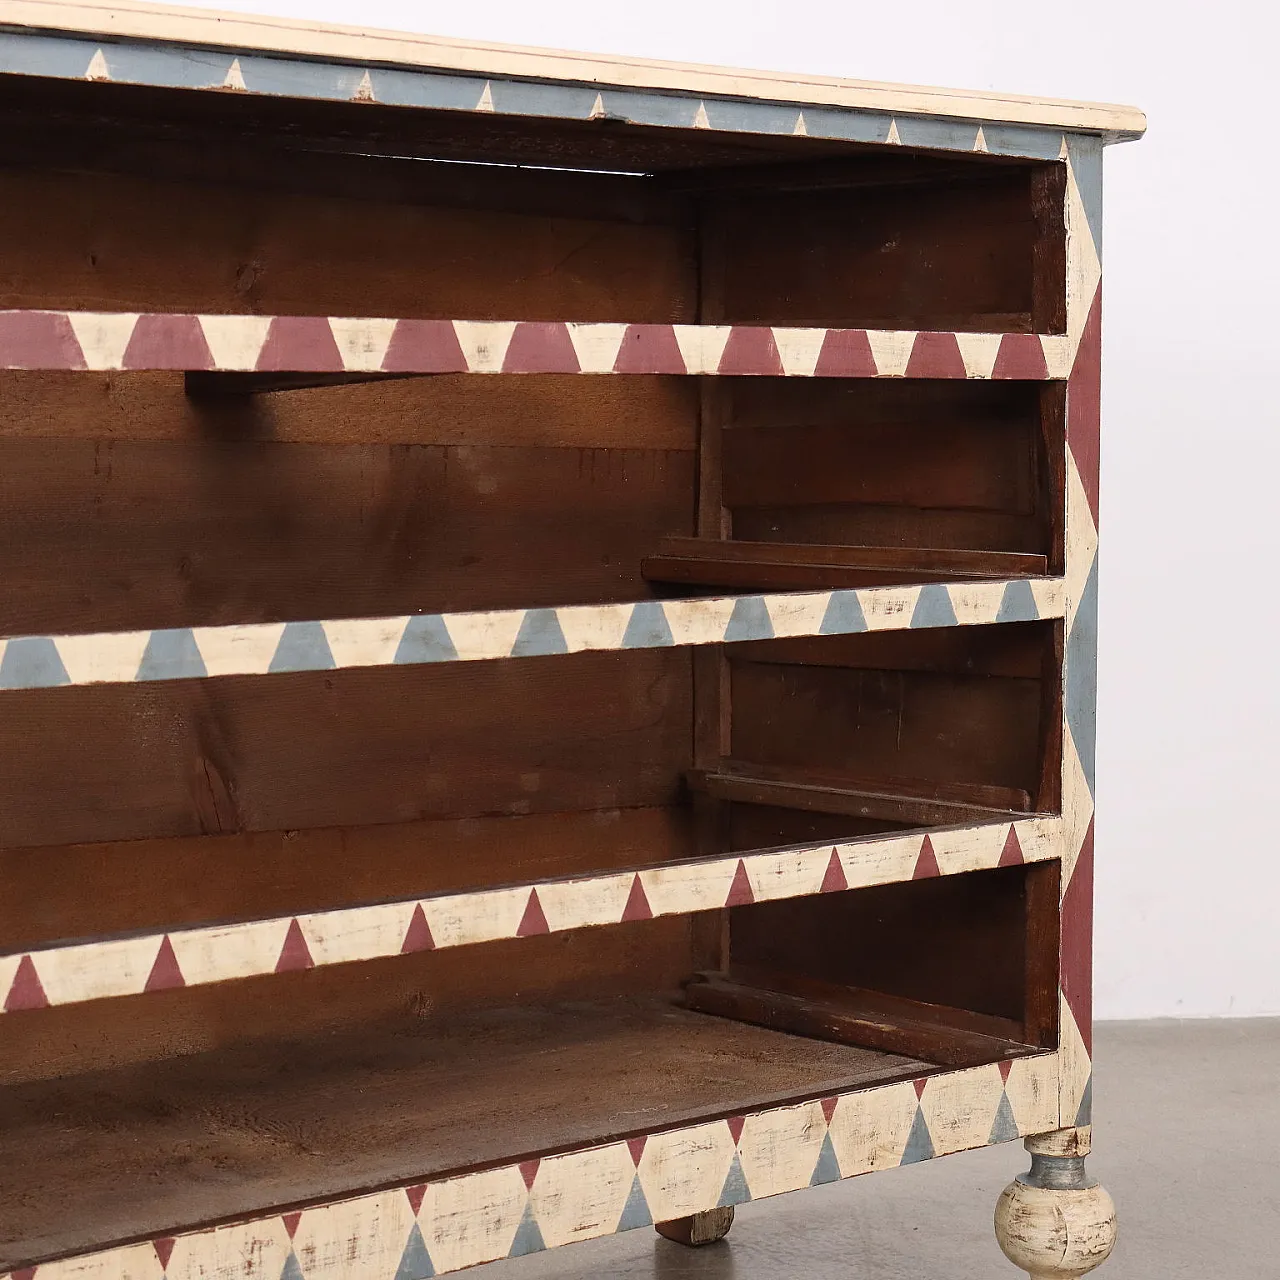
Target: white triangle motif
[(234, 79), (700, 120), (980, 142), (486, 99), (364, 90), (893, 134), (801, 130), (97, 68)]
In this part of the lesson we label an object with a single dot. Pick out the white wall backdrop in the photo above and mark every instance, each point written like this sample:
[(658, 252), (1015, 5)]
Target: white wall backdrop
[(1188, 860)]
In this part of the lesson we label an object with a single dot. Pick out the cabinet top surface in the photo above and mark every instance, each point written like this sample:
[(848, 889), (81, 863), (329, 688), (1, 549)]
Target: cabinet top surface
[(199, 29)]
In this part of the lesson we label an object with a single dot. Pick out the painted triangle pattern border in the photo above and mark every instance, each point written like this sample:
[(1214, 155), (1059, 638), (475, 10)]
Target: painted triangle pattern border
[(83, 340), (43, 662), (138, 964), (434, 1228), (165, 64)]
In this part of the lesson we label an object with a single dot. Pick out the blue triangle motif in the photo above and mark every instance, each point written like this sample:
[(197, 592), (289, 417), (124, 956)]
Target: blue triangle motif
[(735, 1190), (828, 1167), (171, 655), (1085, 1115), (934, 607), (844, 615), (303, 647), (1018, 603), (32, 662), (919, 1143), (749, 621), (426, 639), (635, 1213), (415, 1261), (539, 634), (1005, 1128), (292, 1269), (1082, 675), (648, 628), (528, 1236)]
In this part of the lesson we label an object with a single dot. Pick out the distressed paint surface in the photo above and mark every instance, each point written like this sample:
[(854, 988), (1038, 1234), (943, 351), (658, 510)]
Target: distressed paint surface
[(165, 65), (1084, 300), (347, 344), (140, 964), (412, 1232), (41, 662)]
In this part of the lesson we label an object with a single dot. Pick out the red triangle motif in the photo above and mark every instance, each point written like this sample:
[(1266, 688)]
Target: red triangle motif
[(846, 353), (927, 862), (424, 346), (834, 881), (165, 972), (637, 907), (1012, 854), (291, 1221), (649, 348), (529, 1171), (164, 1250), (1077, 941), (1084, 398), (1005, 1067), (533, 921), (25, 991), (829, 1108), (415, 1195), (38, 340), (1021, 356), (636, 1147), (740, 893), (920, 1084), (538, 346), (735, 1124), (295, 954), (417, 936), (936, 355), (167, 342), (751, 349), (300, 344)]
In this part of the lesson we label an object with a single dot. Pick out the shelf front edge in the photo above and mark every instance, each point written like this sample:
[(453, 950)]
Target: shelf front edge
[(276, 648), (432, 1228), (82, 340), (144, 963)]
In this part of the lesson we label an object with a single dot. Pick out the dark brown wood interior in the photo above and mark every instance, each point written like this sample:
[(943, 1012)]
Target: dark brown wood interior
[(142, 200), (125, 504), (963, 709), (333, 1081), (247, 797), (964, 465), (960, 941)]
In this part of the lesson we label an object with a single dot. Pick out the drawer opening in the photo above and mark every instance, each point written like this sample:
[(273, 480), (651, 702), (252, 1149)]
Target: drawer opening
[(201, 1105)]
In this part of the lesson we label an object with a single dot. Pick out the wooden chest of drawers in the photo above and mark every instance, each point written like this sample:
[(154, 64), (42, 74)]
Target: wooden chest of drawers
[(607, 741)]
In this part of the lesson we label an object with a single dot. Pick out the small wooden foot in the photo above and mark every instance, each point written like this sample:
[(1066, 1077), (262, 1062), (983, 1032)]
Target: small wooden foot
[(698, 1228), (1055, 1222)]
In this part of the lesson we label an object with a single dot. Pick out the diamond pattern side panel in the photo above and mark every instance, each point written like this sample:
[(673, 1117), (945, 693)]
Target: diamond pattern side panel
[(354, 344), (219, 953), (1084, 293), (423, 1230)]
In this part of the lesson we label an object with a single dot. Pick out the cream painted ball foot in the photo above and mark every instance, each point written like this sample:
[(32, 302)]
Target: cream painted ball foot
[(1055, 1222), (698, 1228)]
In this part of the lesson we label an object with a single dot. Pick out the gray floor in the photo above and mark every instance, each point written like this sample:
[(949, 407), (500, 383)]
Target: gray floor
[(1187, 1140)]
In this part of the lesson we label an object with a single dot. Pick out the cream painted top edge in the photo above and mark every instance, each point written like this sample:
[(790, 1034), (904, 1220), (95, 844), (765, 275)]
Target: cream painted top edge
[(128, 19)]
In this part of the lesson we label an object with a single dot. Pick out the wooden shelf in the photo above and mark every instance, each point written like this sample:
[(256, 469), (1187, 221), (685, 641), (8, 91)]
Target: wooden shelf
[(38, 662), (850, 1015), (780, 566), (341, 345), (914, 804), (149, 1150)]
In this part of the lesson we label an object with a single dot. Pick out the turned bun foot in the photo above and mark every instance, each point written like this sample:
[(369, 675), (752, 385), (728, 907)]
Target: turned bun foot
[(698, 1228), (1054, 1221)]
